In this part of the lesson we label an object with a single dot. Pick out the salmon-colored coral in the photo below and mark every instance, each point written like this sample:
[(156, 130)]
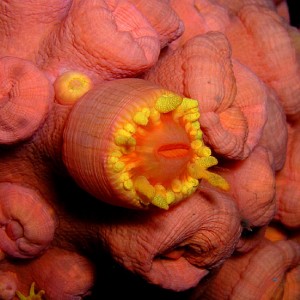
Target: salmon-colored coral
[(58, 274), (270, 271), (152, 153), (271, 50), (8, 285), (27, 222), (26, 96), (287, 181), (225, 91), (163, 135), (179, 254)]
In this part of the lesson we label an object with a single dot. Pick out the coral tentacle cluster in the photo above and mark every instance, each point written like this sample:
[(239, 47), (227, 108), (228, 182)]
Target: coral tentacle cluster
[(159, 138)]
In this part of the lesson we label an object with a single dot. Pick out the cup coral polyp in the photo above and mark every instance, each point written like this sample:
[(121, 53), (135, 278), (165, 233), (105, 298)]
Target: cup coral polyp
[(147, 146)]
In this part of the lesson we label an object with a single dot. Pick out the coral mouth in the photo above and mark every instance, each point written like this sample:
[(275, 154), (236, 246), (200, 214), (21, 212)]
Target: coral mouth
[(173, 150)]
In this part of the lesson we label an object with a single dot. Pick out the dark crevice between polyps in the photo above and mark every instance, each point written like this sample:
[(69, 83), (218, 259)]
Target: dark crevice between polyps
[(115, 282), (172, 254), (248, 230), (294, 12)]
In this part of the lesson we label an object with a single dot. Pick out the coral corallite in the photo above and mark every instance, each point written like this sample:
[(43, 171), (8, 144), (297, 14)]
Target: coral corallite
[(132, 143), (149, 147)]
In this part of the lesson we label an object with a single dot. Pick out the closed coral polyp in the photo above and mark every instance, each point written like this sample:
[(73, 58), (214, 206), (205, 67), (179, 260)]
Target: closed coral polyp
[(70, 86)]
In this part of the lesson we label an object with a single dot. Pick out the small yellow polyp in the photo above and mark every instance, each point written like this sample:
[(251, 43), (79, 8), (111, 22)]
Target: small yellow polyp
[(71, 86), (157, 154), (32, 294)]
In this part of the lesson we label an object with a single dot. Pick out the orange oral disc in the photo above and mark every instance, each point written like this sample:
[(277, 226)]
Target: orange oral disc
[(157, 156)]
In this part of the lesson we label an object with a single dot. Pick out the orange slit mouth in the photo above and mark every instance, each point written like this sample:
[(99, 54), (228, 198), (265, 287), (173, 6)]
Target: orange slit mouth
[(173, 150)]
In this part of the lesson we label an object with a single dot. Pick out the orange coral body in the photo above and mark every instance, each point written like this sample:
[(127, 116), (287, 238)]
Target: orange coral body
[(157, 136)]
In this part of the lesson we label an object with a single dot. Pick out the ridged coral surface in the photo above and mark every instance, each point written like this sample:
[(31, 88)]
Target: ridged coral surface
[(149, 149)]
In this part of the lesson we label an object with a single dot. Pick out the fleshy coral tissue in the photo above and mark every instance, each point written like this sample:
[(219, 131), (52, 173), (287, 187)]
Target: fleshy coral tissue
[(163, 134)]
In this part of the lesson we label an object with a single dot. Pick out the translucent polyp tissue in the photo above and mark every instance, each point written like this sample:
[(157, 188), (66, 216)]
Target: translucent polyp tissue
[(149, 144)]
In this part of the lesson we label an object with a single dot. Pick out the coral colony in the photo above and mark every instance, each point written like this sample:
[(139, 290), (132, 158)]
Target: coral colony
[(149, 141)]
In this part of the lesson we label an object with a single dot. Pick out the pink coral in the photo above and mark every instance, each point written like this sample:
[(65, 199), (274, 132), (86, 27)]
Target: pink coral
[(162, 134)]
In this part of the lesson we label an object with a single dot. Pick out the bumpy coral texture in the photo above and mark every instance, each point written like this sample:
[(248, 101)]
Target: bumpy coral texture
[(149, 148)]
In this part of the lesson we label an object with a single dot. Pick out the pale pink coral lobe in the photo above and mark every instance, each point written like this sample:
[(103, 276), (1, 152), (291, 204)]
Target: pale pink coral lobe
[(27, 224), (136, 44), (15, 36), (287, 181), (201, 248), (26, 97), (8, 285), (62, 274), (231, 98), (269, 271)]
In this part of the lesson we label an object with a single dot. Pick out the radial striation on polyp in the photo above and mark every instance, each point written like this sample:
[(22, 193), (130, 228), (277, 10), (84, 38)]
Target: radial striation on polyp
[(131, 143)]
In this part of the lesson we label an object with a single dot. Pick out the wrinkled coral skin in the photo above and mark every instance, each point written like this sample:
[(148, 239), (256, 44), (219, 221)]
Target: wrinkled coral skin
[(288, 179), (63, 264), (226, 100), (174, 261), (279, 281), (200, 236), (240, 61)]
